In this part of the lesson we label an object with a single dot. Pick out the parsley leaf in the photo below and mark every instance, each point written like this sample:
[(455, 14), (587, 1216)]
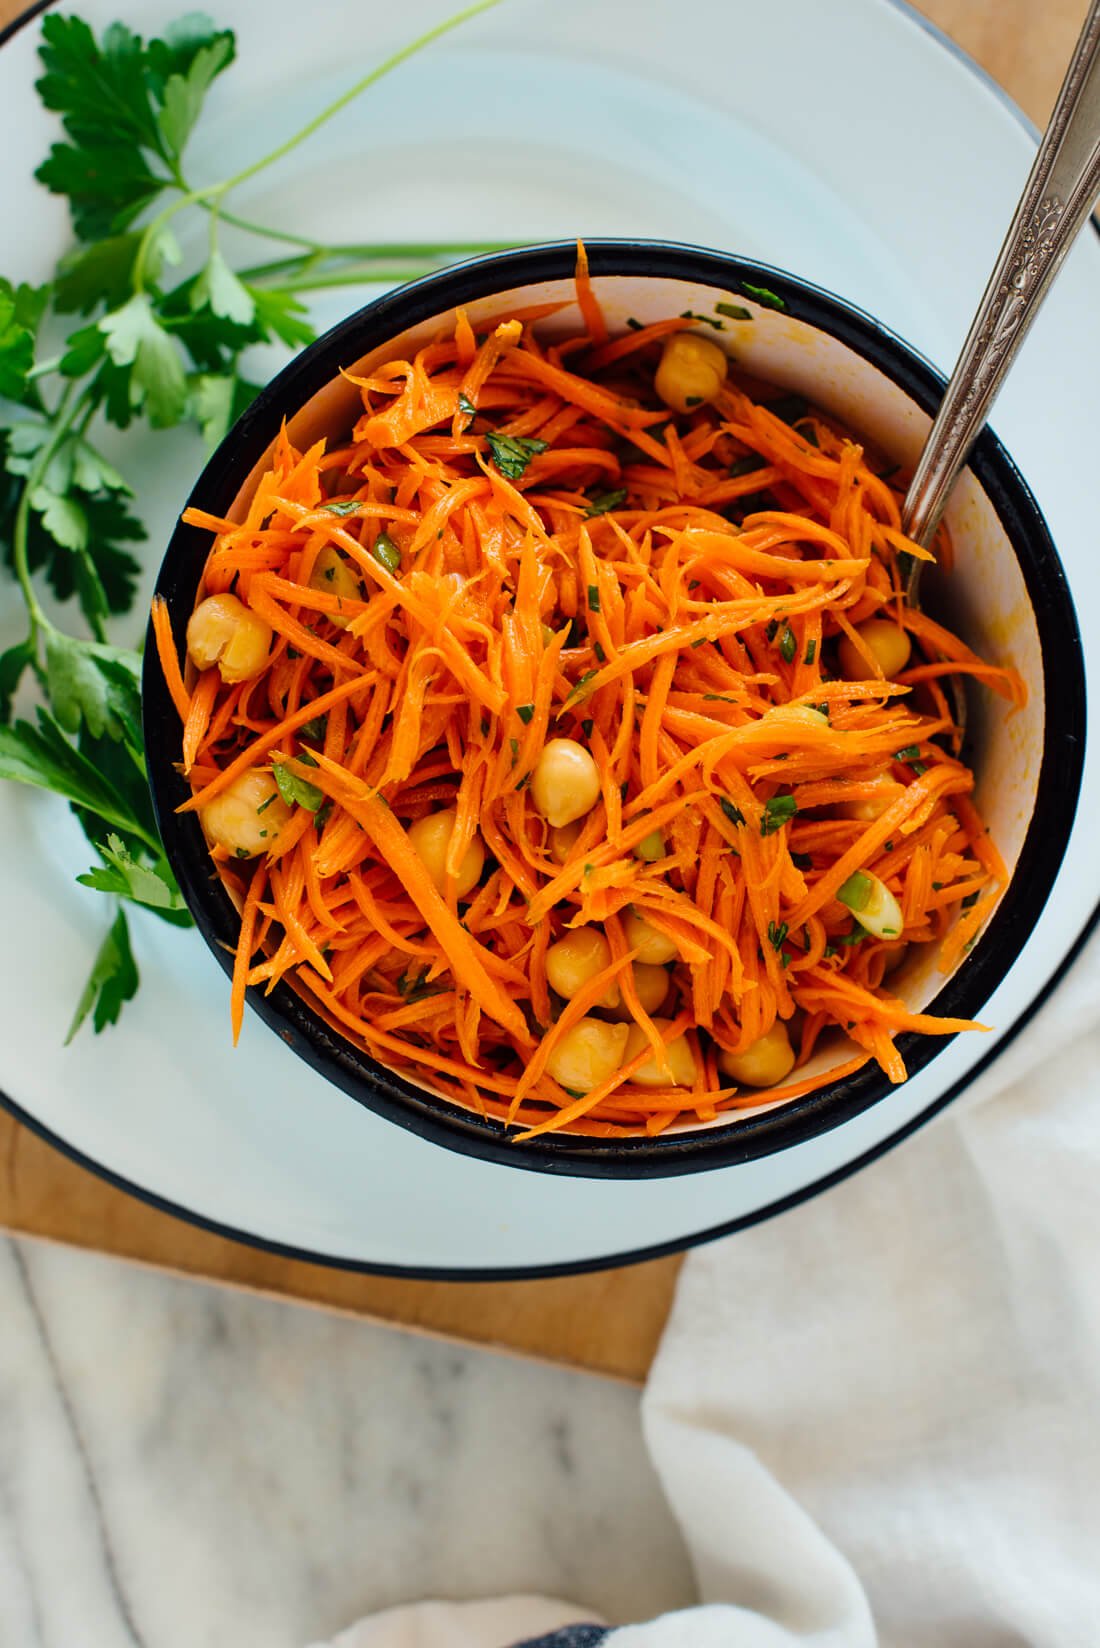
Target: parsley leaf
[(465, 404), (735, 311), (763, 296), (90, 682), (512, 453), (297, 791), (217, 401), (127, 110), (12, 665), (788, 645), (158, 382), (16, 346), (599, 503), (349, 506), (122, 874), (112, 982), (43, 757), (218, 289), (777, 812)]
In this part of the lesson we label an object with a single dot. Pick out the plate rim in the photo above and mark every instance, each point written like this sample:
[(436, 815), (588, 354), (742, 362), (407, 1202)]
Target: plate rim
[(677, 1244)]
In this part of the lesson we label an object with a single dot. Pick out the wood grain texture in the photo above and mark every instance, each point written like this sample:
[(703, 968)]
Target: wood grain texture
[(608, 1323)]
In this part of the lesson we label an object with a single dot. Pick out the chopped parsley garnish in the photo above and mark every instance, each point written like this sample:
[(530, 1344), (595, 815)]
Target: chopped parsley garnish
[(777, 812), (349, 506), (315, 729), (297, 791), (525, 712), (580, 690), (512, 453), (788, 645), (465, 404), (911, 752), (735, 311), (734, 814), (763, 295), (599, 503), (593, 598), (811, 651), (777, 932), (632, 324), (706, 320)]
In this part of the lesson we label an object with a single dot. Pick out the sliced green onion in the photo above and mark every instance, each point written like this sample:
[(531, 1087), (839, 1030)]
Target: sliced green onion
[(651, 847), (873, 904), (856, 891), (386, 552)]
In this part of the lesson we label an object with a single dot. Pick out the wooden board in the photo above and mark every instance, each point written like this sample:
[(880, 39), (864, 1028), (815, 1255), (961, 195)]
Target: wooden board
[(607, 1323)]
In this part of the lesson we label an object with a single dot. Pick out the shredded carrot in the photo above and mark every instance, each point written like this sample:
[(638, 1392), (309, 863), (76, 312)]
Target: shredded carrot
[(536, 549)]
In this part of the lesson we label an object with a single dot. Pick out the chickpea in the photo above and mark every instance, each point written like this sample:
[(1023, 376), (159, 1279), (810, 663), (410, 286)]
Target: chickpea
[(565, 783), (653, 947), (575, 959), (678, 1071), (691, 370), (873, 904), (888, 644), (332, 574), (247, 816), (766, 1062), (223, 631), (563, 840), (588, 1055), (430, 837), (651, 985), (872, 806)]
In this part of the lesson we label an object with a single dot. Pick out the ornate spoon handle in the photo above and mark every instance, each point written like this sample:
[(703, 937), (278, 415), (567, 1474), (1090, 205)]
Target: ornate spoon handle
[(1059, 195)]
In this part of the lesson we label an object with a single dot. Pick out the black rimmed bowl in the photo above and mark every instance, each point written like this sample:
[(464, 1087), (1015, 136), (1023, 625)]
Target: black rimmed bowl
[(1007, 595)]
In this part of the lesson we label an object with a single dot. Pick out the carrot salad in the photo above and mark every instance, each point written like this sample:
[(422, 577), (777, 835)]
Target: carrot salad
[(565, 736)]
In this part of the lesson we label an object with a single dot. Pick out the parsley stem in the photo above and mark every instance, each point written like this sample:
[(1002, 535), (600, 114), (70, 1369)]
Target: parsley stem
[(355, 249), (63, 418), (212, 193), (352, 277), (360, 86)]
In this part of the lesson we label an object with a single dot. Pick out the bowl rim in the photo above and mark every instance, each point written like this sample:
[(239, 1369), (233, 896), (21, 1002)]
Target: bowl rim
[(748, 1135)]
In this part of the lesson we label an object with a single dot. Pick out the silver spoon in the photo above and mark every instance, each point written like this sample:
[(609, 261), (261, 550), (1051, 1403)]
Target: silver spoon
[(1060, 192)]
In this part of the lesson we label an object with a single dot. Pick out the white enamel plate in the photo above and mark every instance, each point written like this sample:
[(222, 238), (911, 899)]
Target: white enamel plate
[(541, 120)]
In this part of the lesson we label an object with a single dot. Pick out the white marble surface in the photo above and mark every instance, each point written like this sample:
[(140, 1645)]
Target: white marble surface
[(184, 1466)]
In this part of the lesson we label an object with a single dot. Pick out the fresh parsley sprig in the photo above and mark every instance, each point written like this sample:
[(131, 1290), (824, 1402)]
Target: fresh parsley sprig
[(118, 337)]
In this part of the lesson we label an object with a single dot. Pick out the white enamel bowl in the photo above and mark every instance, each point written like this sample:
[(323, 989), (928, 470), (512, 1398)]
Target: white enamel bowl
[(1007, 595)]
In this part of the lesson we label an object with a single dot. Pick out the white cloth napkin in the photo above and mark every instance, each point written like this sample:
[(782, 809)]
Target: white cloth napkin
[(877, 1418)]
